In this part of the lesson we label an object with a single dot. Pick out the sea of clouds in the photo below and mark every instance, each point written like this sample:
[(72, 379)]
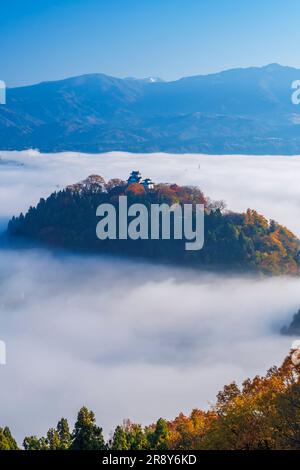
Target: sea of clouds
[(133, 339)]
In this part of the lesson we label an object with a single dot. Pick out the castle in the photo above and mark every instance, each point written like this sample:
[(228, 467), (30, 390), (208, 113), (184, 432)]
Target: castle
[(136, 177)]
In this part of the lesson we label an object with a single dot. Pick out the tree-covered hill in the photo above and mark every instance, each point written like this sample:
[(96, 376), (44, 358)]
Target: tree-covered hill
[(233, 241)]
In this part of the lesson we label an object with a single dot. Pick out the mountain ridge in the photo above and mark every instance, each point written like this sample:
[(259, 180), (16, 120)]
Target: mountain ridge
[(270, 66), (242, 110)]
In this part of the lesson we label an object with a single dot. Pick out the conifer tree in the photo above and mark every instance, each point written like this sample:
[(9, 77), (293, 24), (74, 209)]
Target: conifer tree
[(87, 435)]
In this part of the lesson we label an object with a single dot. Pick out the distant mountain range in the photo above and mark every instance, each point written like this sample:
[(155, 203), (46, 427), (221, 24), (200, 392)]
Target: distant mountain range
[(245, 111)]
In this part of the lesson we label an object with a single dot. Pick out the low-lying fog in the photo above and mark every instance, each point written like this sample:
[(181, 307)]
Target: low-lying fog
[(131, 339)]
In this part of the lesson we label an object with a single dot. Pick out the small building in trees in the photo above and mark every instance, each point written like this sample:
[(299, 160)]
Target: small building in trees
[(135, 177), (148, 183)]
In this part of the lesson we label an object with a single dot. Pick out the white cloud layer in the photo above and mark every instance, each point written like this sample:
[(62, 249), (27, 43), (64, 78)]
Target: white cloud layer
[(269, 184), (130, 339)]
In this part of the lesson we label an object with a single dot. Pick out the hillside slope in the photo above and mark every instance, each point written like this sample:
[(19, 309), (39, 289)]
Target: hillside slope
[(235, 111)]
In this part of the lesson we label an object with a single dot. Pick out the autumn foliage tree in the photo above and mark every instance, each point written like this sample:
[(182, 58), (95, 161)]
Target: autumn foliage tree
[(262, 414)]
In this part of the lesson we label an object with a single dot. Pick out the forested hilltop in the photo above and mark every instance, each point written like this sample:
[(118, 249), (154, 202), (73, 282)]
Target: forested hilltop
[(262, 414), (233, 241)]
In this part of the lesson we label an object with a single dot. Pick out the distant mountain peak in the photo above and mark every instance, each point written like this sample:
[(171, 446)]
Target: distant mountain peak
[(153, 79), (146, 79), (275, 67)]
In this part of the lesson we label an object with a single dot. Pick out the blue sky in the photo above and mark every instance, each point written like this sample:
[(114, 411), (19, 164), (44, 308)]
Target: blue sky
[(53, 39)]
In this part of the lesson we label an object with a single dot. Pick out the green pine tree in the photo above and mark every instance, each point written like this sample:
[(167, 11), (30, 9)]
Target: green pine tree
[(87, 435), (7, 442), (119, 440), (159, 438), (63, 430)]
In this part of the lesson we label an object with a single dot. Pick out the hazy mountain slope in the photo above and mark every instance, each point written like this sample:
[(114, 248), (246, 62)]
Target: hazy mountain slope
[(236, 111)]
